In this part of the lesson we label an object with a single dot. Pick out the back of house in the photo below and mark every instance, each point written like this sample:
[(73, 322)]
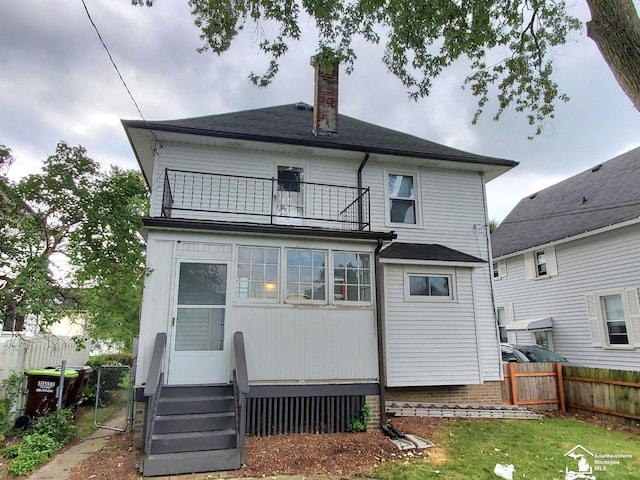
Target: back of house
[(352, 258)]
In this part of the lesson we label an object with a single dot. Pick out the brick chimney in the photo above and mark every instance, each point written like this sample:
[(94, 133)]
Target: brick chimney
[(325, 102)]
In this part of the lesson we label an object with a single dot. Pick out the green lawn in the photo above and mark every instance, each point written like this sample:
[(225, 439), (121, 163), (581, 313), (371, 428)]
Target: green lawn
[(536, 449)]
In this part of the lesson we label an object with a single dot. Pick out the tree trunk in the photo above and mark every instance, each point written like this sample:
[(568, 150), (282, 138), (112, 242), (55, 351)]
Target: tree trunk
[(615, 28)]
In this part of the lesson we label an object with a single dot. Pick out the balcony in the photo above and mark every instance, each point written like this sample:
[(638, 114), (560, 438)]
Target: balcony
[(198, 195)]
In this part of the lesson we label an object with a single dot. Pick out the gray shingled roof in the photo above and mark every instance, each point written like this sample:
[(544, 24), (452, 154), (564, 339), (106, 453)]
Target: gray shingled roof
[(427, 252), (601, 196), (291, 124)]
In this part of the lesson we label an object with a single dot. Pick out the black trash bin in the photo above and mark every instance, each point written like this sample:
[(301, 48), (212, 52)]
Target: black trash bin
[(75, 391), (41, 388)]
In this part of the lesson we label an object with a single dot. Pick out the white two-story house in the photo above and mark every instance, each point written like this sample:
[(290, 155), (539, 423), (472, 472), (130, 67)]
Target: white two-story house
[(352, 258), (567, 267)]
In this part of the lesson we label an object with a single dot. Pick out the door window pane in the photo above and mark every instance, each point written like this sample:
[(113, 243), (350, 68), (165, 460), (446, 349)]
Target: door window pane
[(202, 284), (199, 329)]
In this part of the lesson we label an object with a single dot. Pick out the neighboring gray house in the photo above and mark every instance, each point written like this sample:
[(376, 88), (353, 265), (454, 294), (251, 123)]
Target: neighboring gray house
[(567, 267), (353, 259)]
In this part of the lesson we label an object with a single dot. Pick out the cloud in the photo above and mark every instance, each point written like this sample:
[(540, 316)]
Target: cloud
[(59, 84)]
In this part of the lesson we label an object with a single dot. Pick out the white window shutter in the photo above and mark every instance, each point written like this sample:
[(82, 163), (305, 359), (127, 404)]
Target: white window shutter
[(594, 322), (502, 268), (634, 314), (529, 266), (552, 264), (509, 318)]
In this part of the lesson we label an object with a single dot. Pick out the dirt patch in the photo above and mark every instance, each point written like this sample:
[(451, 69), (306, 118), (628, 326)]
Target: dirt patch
[(339, 454)]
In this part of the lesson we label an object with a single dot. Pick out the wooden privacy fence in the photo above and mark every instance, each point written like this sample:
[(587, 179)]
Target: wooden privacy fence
[(534, 385), (552, 386), (610, 392)]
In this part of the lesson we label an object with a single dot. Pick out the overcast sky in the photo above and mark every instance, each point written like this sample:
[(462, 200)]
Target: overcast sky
[(57, 83)]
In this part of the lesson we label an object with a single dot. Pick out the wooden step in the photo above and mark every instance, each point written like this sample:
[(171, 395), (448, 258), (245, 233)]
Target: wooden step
[(187, 391), (196, 422), (191, 462), (192, 441), (181, 405)]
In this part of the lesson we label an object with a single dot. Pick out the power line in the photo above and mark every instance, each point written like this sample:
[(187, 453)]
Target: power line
[(116, 67)]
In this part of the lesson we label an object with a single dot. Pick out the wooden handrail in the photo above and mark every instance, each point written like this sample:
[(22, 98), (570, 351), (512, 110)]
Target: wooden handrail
[(155, 368), (241, 363)]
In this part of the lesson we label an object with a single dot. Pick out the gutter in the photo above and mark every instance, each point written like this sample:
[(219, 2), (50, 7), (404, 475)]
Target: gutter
[(380, 331), (360, 168)]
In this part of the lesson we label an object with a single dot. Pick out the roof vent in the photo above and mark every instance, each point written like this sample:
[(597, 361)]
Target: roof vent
[(303, 106), (533, 196), (584, 200), (596, 168)]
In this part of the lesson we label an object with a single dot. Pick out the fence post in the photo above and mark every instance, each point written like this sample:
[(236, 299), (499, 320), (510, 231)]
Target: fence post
[(560, 382), (513, 381)]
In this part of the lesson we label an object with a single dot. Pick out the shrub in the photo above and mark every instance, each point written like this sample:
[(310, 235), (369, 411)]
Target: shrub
[(57, 425), (359, 423), (34, 450)]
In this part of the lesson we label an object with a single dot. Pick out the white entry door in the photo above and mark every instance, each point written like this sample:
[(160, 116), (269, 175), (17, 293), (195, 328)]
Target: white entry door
[(197, 352)]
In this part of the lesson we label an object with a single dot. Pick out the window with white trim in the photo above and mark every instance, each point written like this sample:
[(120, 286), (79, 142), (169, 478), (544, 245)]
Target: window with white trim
[(257, 273), (541, 263), (429, 287), (351, 277), (499, 269), (614, 318), (306, 275), (402, 207)]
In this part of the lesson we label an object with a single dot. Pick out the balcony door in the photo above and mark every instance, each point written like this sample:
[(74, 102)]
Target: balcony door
[(197, 352), (289, 197)]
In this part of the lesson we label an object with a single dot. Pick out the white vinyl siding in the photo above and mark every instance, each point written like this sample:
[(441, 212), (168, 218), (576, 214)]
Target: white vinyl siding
[(610, 260), (285, 343), (430, 343)]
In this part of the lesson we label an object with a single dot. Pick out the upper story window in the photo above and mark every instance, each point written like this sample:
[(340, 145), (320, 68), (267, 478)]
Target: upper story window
[(306, 275), (352, 277), (499, 269), (541, 263), (257, 272), (402, 198), (428, 287), (614, 317)]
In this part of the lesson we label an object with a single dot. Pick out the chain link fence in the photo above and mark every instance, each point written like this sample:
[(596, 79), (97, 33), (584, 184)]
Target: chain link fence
[(113, 397)]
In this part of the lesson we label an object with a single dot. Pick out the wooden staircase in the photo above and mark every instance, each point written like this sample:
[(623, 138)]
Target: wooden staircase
[(193, 429)]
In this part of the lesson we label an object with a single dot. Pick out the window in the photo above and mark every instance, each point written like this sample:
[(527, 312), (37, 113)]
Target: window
[(428, 287), (614, 317), (499, 269), (402, 199), (540, 263), (257, 272), (306, 274), (352, 277), (615, 321)]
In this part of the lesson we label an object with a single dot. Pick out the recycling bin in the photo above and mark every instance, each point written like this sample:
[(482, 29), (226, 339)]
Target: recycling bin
[(41, 390)]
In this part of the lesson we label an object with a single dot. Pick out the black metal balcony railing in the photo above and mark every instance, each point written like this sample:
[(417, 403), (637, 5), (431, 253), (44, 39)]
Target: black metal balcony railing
[(273, 201)]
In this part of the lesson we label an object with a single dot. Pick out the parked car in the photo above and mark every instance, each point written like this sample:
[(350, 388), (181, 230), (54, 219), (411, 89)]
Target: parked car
[(529, 353)]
